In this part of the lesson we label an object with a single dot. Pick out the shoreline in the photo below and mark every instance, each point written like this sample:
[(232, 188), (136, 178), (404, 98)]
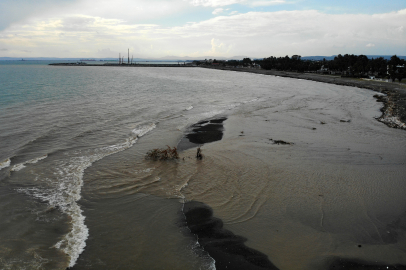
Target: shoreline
[(394, 101), (231, 244)]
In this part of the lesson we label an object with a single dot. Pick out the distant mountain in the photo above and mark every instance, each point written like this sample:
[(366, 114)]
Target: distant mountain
[(318, 58)]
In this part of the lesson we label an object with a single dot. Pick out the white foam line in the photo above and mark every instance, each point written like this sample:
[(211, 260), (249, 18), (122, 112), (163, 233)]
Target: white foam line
[(18, 167), (189, 108), (5, 163), (65, 194), (35, 160), (21, 166)]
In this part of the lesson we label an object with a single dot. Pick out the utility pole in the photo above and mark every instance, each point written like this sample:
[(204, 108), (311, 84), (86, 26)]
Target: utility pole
[(128, 55)]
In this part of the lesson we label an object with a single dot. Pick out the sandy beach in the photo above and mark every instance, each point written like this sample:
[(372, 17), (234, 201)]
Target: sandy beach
[(393, 112), (321, 173)]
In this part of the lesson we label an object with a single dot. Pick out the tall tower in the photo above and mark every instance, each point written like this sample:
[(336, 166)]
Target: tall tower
[(128, 55)]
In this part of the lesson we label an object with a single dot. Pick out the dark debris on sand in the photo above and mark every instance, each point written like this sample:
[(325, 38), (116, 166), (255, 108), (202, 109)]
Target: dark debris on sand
[(281, 142)]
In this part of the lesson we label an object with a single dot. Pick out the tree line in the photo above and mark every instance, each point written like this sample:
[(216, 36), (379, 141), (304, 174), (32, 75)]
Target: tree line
[(358, 66), (347, 65)]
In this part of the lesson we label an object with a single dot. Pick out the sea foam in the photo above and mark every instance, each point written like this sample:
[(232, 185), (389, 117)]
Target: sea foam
[(5, 163), (21, 166), (66, 191)]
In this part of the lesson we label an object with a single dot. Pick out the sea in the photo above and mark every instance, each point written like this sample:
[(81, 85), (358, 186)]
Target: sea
[(77, 192)]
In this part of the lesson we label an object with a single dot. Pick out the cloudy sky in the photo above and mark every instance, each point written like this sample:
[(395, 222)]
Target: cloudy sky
[(196, 28)]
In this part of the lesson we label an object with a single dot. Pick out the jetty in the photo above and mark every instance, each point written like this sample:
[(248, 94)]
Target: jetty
[(121, 63)]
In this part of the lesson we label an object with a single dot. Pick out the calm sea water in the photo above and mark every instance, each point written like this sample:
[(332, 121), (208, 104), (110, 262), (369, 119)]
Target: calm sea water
[(77, 192)]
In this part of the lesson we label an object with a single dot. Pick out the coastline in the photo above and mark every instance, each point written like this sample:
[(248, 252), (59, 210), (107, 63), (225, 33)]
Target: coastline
[(254, 203), (394, 101)]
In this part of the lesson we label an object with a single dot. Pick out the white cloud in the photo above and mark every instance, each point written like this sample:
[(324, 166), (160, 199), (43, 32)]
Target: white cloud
[(217, 47), (255, 34), (267, 3), (233, 12), (218, 11), (215, 3), (218, 3), (23, 11), (106, 53)]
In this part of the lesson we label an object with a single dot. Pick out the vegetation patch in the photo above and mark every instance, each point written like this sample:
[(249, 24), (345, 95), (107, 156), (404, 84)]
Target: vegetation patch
[(163, 153)]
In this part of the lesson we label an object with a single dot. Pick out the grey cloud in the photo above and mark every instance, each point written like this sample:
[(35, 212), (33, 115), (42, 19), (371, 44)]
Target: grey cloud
[(13, 11), (77, 23)]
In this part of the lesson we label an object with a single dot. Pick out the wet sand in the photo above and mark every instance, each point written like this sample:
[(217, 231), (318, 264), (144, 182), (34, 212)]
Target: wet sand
[(267, 172), (394, 102)]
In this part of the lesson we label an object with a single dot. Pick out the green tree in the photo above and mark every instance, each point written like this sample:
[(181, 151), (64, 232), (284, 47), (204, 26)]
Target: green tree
[(246, 62)]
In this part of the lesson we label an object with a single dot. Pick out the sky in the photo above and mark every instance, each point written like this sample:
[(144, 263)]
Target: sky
[(200, 28)]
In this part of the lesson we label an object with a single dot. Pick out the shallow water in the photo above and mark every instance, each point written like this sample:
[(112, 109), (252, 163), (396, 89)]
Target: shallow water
[(77, 191)]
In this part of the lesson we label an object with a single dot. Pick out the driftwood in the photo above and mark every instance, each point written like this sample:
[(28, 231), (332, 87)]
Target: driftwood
[(163, 154)]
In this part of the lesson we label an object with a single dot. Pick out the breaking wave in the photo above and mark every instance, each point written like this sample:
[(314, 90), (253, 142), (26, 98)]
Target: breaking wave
[(21, 166), (66, 191), (5, 163)]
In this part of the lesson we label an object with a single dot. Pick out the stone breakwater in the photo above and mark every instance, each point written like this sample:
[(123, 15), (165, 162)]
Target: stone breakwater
[(394, 99)]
